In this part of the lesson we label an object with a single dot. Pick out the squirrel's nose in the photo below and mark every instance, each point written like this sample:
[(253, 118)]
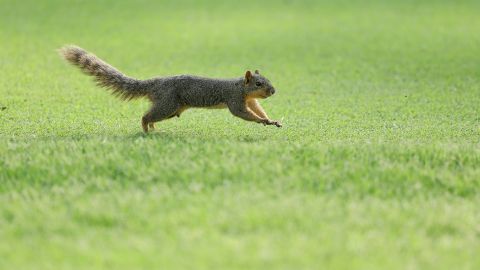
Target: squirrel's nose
[(273, 91)]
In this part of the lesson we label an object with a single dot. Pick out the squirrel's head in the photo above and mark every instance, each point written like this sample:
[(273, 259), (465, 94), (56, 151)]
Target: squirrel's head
[(257, 86)]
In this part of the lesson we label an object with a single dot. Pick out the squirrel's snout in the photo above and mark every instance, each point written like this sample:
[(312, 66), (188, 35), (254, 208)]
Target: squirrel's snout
[(272, 91)]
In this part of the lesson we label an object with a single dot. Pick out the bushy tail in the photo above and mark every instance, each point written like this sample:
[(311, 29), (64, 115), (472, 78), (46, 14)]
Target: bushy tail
[(105, 75)]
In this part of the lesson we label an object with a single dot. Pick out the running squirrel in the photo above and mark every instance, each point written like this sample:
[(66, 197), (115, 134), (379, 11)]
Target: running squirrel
[(170, 96)]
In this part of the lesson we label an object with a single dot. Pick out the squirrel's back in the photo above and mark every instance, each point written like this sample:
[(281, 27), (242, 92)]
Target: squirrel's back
[(199, 91)]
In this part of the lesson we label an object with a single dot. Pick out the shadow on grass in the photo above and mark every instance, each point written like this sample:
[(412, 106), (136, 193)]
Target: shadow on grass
[(250, 137), (160, 135)]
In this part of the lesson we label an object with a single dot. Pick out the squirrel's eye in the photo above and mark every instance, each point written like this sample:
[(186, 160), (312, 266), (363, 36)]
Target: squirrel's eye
[(258, 84)]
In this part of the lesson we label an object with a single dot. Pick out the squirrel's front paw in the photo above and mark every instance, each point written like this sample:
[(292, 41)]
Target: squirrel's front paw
[(277, 123), (266, 122), (270, 122)]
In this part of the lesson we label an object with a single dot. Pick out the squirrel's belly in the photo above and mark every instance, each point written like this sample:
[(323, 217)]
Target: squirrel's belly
[(218, 106)]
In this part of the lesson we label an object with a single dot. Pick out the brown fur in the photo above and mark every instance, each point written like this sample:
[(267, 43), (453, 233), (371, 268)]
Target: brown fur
[(260, 93), (253, 105)]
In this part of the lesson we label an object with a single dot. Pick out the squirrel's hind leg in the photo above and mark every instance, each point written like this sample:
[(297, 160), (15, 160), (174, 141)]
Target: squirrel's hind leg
[(157, 113), (145, 124)]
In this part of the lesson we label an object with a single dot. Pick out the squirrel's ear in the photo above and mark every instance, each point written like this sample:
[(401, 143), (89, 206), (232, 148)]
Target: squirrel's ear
[(248, 76), (257, 72)]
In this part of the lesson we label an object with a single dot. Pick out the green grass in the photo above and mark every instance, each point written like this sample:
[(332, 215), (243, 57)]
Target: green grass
[(377, 165)]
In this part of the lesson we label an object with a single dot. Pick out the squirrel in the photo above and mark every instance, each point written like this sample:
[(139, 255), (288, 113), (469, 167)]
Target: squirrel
[(170, 96)]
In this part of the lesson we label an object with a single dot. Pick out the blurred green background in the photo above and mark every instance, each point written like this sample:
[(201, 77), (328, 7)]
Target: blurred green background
[(376, 167)]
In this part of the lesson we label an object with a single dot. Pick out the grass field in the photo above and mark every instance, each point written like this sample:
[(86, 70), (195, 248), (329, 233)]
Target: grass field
[(377, 165)]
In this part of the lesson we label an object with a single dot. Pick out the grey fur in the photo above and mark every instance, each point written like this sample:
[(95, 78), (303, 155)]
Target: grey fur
[(170, 96)]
